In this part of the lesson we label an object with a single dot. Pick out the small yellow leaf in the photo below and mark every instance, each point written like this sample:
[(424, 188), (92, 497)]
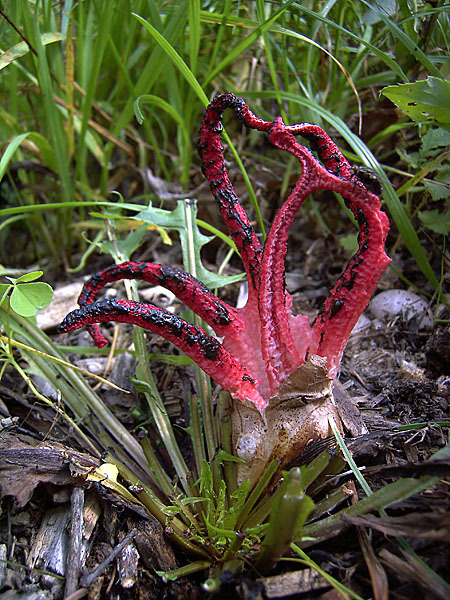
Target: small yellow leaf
[(109, 471)]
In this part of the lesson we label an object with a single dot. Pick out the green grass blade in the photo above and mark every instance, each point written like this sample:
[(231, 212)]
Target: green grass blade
[(162, 105), (101, 40), (194, 32), (289, 511), (156, 64), (255, 494), (219, 34), (403, 38), (9, 152), (175, 58), (52, 115), (15, 210), (190, 260), (246, 43), (384, 56), (197, 88), (260, 7), (316, 16), (340, 588), (383, 498)]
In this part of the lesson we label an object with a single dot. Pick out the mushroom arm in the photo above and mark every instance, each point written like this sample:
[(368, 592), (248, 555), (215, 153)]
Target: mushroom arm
[(207, 352), (217, 314)]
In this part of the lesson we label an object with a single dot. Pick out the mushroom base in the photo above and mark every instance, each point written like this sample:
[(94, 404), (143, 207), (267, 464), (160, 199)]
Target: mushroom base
[(297, 415)]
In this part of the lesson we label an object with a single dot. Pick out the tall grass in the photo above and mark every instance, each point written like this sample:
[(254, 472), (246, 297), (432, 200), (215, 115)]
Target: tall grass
[(314, 62)]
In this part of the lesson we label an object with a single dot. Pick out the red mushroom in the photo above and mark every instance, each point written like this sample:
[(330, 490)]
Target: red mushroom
[(278, 366)]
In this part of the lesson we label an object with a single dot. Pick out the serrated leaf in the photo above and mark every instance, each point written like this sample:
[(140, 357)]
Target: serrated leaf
[(206, 481), (27, 298), (127, 246), (213, 530), (435, 138), (436, 221), (176, 219), (412, 159), (422, 100), (437, 192), (238, 498)]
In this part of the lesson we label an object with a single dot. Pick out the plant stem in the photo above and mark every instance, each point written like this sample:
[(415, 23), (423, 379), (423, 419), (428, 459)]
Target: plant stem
[(209, 424)]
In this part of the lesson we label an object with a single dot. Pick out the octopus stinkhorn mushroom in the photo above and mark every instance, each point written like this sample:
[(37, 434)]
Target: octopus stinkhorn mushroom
[(278, 367)]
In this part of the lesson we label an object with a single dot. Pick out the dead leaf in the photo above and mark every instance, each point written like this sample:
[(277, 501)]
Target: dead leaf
[(410, 569), (430, 526), (23, 467)]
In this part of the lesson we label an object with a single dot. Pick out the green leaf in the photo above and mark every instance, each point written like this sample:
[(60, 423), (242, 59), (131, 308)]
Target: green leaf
[(27, 298), (312, 471), (213, 530), (445, 69), (403, 37), (45, 148), (422, 100), (191, 500), (237, 498), (27, 277), (33, 208), (349, 242), (192, 567), (125, 247), (176, 219), (193, 83), (175, 58), (171, 359), (43, 145), (435, 138), (11, 148), (436, 221), (4, 289), (223, 456), (23, 48), (289, 511), (206, 481), (371, 16), (437, 191), (169, 109)]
